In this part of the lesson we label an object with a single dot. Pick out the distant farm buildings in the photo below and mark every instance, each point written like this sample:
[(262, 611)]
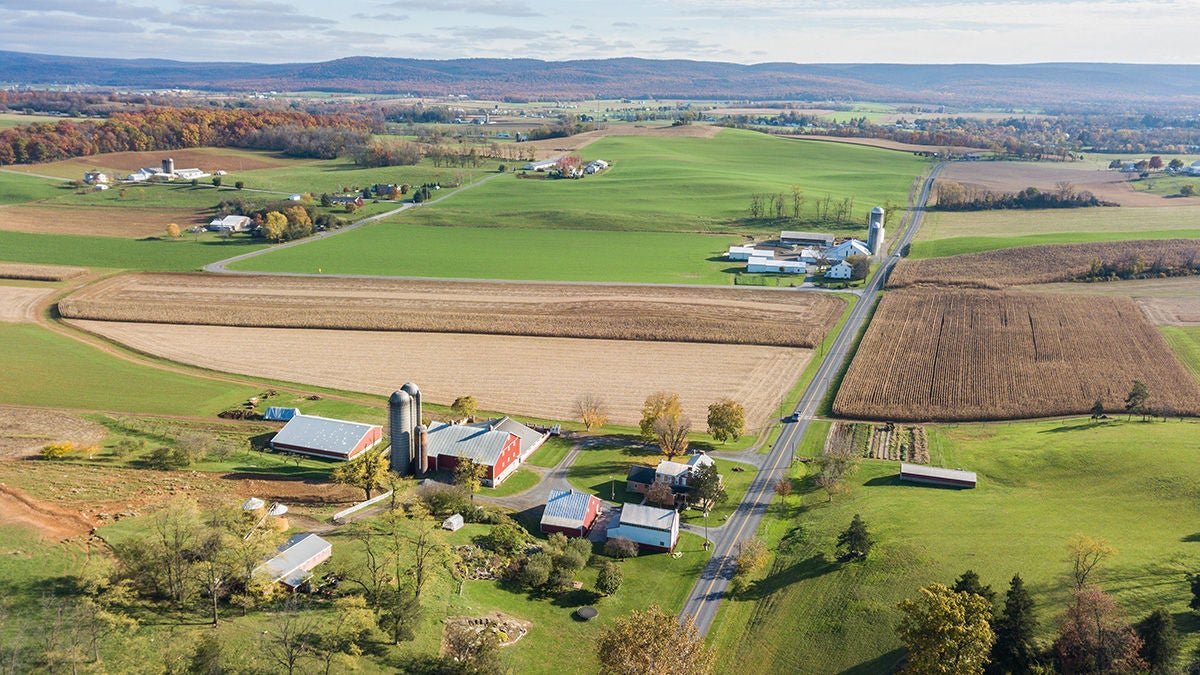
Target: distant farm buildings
[(929, 475), (324, 437), (769, 266), (793, 238), (231, 223), (165, 172), (748, 252)]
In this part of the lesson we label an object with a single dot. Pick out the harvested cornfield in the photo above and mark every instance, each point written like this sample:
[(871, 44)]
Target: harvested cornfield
[(39, 272), (675, 314), (977, 355), (1100, 261), (536, 376)]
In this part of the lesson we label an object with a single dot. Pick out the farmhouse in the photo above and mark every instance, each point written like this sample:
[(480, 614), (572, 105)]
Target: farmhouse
[(929, 475), (795, 238), (499, 451), (531, 439), (296, 560), (846, 249), (324, 437), (769, 266), (595, 166), (569, 512), (356, 200), (676, 474), (651, 527), (842, 270), (95, 177), (231, 224), (748, 252)]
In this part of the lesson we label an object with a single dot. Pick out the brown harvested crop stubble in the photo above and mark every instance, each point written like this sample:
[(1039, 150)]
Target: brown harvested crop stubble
[(1039, 264), (616, 312), (975, 355), (39, 272)]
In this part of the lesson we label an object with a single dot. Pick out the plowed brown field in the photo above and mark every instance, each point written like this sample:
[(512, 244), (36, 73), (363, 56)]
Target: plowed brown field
[(28, 272), (19, 303), (728, 316), (1040, 264), (123, 163), (534, 376), (977, 355), (1016, 176)]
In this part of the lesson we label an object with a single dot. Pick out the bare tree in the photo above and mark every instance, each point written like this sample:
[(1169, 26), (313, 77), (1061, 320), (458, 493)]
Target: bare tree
[(672, 434), (591, 410), (1085, 554), (286, 643)]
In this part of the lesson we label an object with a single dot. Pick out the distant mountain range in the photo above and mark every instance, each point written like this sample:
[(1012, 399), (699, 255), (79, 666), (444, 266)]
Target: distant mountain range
[(1041, 85)]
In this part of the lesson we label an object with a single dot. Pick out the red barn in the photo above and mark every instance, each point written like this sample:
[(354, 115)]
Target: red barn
[(570, 512), (499, 451), (323, 437)]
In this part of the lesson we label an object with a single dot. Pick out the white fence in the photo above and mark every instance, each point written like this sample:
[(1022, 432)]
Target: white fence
[(360, 506)]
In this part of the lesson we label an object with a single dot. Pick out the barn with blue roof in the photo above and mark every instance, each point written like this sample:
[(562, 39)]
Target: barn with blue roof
[(569, 512)]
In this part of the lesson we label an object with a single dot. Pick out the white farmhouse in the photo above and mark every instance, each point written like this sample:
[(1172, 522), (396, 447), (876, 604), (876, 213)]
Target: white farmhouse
[(651, 527), (842, 270)]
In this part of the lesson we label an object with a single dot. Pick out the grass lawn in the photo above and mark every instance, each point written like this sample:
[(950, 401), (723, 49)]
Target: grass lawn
[(521, 480), (39, 367), (938, 248), (400, 248), (551, 452), (1185, 342), (1164, 184), (1134, 484), (736, 484), (10, 119), (18, 189), (182, 255)]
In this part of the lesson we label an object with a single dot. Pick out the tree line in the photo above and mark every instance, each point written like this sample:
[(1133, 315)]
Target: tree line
[(952, 196)]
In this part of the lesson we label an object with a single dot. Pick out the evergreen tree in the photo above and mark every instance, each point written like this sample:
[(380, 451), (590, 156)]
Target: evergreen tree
[(1195, 602), (1160, 641), (1014, 651), (855, 542), (969, 583)]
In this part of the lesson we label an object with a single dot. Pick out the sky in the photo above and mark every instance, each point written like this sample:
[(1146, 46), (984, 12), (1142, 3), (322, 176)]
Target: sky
[(749, 31)]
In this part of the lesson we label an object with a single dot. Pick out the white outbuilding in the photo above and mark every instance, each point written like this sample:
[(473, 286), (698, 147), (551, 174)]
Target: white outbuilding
[(748, 252), (769, 266)]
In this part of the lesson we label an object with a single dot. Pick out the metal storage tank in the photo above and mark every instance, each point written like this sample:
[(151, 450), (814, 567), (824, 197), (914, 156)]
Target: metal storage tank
[(876, 240), (168, 165), (404, 422)]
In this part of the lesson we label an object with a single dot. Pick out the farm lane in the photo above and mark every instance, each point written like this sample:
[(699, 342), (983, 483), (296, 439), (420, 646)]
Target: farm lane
[(705, 598), (220, 265)]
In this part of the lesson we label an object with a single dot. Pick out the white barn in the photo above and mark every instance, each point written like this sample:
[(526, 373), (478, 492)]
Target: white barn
[(842, 270), (748, 252), (651, 527), (848, 248), (769, 266)]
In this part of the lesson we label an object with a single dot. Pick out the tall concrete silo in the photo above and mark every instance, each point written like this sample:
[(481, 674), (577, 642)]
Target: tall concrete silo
[(168, 166), (876, 240), (404, 422)]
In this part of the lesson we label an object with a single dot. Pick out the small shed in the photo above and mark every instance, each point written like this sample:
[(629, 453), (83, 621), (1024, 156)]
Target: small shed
[(454, 523), (280, 414), (930, 475)]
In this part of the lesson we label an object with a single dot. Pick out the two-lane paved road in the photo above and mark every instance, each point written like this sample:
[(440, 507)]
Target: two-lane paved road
[(705, 598)]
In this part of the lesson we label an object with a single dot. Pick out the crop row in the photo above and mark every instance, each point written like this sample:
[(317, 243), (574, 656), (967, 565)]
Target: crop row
[(39, 272)]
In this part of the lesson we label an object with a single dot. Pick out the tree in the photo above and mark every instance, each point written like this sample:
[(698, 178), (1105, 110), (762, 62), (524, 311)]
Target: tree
[(783, 488), (274, 226), (945, 631), (658, 405), (726, 419), (470, 651), (400, 614), (1096, 638), (1160, 641), (609, 579), (1014, 650), (57, 450), (855, 542), (751, 555), (368, 473), (1156, 162), (653, 642), (469, 474), (1135, 402), (1097, 409), (1085, 555), (426, 550), (1194, 581), (706, 489), (590, 410), (536, 569), (206, 656), (860, 266), (286, 643), (661, 493), (464, 406), (969, 583), (1188, 190), (838, 462), (238, 185), (168, 459), (1175, 163), (672, 435), (216, 181), (620, 547), (173, 230)]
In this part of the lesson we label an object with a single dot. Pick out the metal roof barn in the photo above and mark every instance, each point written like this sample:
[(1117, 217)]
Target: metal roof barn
[(324, 437), (570, 512), (531, 439), (929, 475), (296, 560)]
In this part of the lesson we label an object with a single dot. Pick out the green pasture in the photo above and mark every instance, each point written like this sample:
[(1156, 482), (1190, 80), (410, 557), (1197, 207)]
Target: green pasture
[(17, 188), (39, 367), (1165, 184), (1185, 342), (939, 248), (9, 119), (158, 255), (404, 249), (687, 184), (1134, 484)]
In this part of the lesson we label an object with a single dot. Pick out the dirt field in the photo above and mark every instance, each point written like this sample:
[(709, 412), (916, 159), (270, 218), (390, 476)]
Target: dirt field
[(99, 221), (978, 355), (884, 143), (1166, 302), (1046, 264), (23, 431), (19, 303), (534, 376), (124, 163), (52, 522), (1014, 176), (556, 147), (29, 272), (732, 316)]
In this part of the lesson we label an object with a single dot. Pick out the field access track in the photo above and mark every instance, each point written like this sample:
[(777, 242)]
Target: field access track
[(966, 355), (601, 311)]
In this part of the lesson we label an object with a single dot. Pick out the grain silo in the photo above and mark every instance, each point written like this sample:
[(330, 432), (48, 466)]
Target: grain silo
[(875, 232), (404, 421), (168, 166)]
